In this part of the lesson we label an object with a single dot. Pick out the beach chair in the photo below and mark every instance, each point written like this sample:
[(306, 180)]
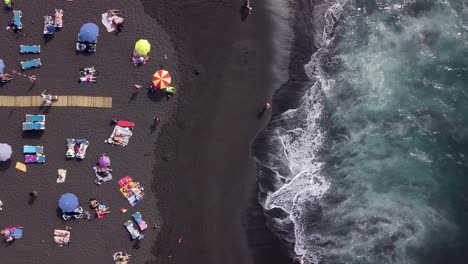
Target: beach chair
[(77, 214), (131, 229), (48, 25), (17, 14), (140, 222), (83, 146), (30, 49), (31, 64), (70, 148), (58, 22), (33, 126), (32, 149), (34, 159), (35, 118)]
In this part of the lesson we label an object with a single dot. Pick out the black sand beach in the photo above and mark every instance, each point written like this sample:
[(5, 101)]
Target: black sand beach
[(196, 162)]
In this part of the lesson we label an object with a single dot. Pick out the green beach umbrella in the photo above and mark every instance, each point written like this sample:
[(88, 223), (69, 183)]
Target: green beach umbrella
[(142, 47)]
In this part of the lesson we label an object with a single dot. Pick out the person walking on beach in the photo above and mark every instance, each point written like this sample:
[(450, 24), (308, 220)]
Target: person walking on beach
[(248, 7), (156, 120), (138, 87), (267, 106), (32, 78)]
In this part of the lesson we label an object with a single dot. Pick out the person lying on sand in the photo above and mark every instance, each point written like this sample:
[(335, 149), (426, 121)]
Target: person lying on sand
[(113, 12), (6, 77)]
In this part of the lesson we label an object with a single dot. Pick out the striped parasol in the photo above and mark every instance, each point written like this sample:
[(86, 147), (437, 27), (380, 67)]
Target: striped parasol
[(161, 79)]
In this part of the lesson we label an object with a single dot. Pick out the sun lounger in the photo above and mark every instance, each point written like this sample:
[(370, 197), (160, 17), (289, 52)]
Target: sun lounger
[(34, 159), (140, 222), (120, 136), (61, 237), (77, 214), (35, 118), (30, 49), (33, 126), (17, 14), (70, 148), (131, 229), (58, 22), (31, 64), (48, 25), (33, 149), (83, 145)]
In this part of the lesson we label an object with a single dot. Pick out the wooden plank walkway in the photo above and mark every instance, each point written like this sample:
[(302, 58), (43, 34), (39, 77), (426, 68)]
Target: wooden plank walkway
[(64, 100)]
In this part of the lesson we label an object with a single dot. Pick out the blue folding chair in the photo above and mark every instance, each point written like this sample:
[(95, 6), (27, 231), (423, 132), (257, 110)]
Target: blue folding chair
[(30, 49), (35, 118), (31, 64)]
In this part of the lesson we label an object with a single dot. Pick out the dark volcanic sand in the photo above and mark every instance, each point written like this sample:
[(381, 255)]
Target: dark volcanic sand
[(197, 161)]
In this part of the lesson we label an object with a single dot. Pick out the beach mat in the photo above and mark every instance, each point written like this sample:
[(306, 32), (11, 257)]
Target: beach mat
[(62, 175), (107, 22), (21, 166)]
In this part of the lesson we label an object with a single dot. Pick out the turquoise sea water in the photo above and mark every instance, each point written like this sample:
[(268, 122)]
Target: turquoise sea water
[(374, 163)]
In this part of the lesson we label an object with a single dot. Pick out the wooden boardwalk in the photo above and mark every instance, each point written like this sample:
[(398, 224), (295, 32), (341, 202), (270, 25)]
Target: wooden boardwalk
[(64, 100)]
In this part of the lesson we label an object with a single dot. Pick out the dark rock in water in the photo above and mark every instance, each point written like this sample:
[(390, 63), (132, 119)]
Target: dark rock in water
[(199, 69)]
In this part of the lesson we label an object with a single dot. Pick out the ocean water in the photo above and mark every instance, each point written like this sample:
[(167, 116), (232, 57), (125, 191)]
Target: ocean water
[(372, 165)]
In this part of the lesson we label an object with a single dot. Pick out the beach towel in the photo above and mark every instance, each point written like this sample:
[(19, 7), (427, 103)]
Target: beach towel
[(62, 175), (120, 136), (107, 22), (21, 166)]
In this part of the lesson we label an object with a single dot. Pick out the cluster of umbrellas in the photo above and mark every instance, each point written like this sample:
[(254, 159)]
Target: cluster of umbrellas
[(162, 78)]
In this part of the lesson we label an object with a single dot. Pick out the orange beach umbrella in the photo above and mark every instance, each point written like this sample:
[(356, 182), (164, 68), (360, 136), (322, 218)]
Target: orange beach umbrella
[(161, 79)]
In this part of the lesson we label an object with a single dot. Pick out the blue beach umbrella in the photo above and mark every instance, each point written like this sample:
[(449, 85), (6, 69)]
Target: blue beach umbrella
[(68, 202), (2, 66), (89, 32)]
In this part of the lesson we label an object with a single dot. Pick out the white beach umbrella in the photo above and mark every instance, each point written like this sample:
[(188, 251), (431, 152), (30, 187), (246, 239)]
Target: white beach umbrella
[(5, 152)]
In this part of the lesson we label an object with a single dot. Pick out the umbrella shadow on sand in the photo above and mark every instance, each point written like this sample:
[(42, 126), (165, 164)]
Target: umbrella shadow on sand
[(156, 96), (32, 134), (4, 165)]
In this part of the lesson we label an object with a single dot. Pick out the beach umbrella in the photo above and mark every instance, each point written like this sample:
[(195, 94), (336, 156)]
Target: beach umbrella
[(142, 47), (68, 202), (5, 152), (89, 32), (161, 79), (2, 66), (104, 161)]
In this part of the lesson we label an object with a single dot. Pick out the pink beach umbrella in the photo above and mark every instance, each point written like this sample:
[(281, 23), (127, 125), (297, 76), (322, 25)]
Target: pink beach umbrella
[(104, 161)]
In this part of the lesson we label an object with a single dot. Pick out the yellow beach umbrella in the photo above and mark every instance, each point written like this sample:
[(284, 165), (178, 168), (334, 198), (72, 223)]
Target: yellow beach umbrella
[(142, 47), (161, 79)]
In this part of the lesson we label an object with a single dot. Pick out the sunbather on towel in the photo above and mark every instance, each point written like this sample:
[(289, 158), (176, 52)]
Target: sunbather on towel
[(6, 77)]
